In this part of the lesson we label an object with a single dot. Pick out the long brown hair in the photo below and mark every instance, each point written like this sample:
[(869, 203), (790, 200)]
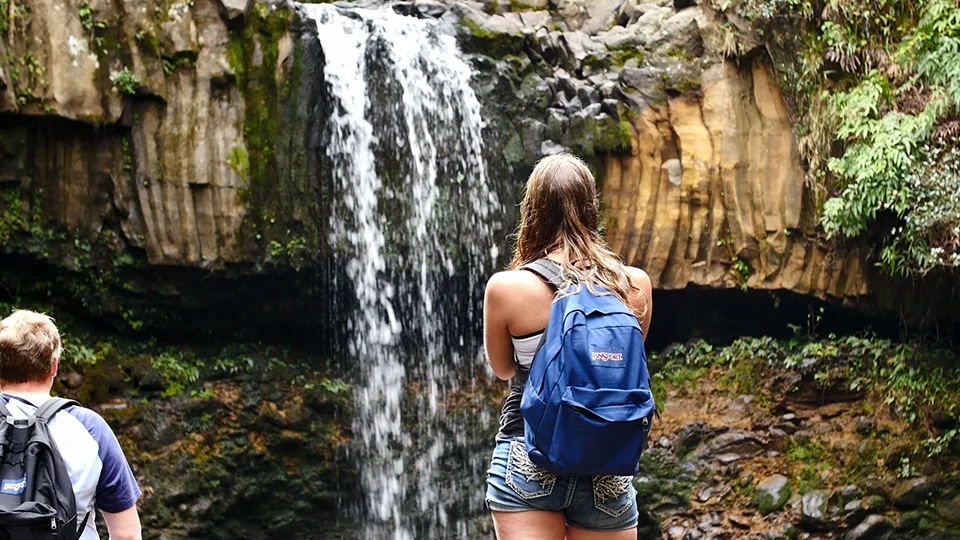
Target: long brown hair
[(560, 211)]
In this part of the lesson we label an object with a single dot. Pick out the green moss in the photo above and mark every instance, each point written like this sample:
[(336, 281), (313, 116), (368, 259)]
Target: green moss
[(240, 161), (518, 6), (477, 39), (513, 151), (621, 55), (181, 60), (593, 63), (148, 42), (766, 503), (284, 222)]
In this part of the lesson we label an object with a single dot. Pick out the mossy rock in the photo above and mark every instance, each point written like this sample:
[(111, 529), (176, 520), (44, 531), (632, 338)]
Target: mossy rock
[(772, 493)]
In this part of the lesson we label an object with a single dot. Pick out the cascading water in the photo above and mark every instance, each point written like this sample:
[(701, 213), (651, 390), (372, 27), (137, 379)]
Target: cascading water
[(415, 224)]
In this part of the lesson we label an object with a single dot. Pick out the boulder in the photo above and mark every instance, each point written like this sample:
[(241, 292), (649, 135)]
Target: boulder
[(854, 512), (913, 492), (772, 493), (601, 14), (549, 148), (680, 35), (732, 445), (874, 527), (949, 509), (814, 509), (690, 436)]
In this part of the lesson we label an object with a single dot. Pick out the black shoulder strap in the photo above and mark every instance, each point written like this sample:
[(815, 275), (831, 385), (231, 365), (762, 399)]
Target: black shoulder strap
[(548, 271), (52, 406), (83, 524)]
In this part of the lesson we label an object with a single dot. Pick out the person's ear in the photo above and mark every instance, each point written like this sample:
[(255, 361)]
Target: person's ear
[(56, 368)]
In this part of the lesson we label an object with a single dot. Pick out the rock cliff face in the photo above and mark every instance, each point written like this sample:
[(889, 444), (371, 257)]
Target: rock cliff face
[(690, 136), (141, 121), (186, 136), (712, 194)]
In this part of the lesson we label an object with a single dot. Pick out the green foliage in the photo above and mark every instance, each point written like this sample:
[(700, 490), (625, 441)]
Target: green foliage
[(11, 210), (86, 16), (882, 79), (178, 369), (172, 63), (912, 379), (742, 269), (125, 81), (336, 386)]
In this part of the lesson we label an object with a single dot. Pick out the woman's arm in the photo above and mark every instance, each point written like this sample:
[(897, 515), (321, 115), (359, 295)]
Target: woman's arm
[(641, 296), (496, 336)]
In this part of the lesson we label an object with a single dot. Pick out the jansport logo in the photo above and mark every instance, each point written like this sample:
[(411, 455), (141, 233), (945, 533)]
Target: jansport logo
[(608, 356), (13, 487)]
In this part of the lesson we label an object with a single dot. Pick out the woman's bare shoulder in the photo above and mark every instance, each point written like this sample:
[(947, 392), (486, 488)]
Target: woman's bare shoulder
[(511, 281), (637, 276)]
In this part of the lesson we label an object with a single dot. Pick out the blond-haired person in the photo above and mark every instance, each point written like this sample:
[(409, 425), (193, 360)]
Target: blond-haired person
[(101, 477), (559, 221)]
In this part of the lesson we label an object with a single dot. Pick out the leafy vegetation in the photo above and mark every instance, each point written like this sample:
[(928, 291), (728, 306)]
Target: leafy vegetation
[(875, 87), (917, 382), (113, 364), (125, 81)]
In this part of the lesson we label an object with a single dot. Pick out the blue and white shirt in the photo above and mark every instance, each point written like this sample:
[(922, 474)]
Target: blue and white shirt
[(99, 471)]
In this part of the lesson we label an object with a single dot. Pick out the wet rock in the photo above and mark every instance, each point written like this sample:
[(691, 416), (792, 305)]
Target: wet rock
[(912, 493), (814, 509), (772, 493), (676, 533), (731, 446), (425, 9), (549, 148), (873, 486), (691, 435), (949, 509), (873, 527), (791, 418), (848, 493), (854, 512)]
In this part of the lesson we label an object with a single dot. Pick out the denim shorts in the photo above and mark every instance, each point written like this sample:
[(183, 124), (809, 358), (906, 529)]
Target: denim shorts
[(595, 503)]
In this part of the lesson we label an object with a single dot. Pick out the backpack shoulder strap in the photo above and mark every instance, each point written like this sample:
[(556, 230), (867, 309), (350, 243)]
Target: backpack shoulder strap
[(548, 271), (4, 411), (52, 406)]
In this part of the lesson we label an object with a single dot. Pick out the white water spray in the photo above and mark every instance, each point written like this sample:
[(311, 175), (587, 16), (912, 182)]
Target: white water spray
[(402, 105)]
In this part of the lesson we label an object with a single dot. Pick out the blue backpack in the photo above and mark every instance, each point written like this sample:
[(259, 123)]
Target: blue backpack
[(587, 405)]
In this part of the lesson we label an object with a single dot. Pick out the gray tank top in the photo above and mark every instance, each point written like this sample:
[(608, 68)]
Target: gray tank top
[(524, 349)]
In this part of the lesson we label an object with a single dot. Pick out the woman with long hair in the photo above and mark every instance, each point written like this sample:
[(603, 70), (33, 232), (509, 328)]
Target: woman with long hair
[(559, 221)]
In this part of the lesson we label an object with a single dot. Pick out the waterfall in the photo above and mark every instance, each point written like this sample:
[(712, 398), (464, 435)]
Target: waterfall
[(415, 225)]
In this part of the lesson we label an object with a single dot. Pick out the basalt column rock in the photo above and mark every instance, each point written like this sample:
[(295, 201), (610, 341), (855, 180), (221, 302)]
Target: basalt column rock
[(712, 193)]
